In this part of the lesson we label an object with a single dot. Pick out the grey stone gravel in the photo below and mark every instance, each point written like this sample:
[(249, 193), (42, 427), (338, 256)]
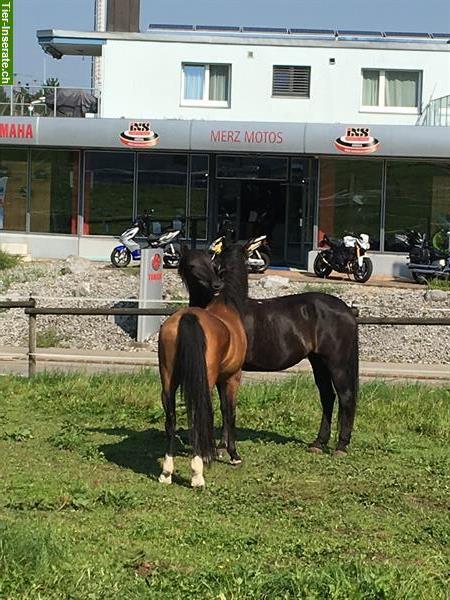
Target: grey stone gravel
[(77, 283)]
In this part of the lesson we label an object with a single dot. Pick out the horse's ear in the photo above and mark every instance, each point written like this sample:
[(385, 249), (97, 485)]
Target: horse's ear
[(226, 243)]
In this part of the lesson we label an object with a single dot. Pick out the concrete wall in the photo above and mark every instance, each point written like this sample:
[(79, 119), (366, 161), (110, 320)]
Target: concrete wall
[(143, 80), (100, 248)]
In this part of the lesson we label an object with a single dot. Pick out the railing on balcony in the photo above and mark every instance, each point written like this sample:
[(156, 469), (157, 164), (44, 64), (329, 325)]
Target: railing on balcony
[(436, 113), (48, 101)]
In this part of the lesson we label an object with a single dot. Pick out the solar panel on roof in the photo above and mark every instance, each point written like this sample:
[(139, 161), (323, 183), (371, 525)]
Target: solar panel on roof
[(313, 31), (218, 28), (300, 31), (362, 33), (169, 26), (405, 34), (266, 29)]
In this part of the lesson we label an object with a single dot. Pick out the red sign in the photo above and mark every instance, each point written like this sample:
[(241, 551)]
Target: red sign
[(16, 130), (139, 135), (357, 140), (246, 136), (154, 276), (156, 262)]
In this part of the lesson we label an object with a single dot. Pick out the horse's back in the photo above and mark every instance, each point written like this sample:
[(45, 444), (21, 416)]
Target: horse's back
[(225, 344), (284, 330)]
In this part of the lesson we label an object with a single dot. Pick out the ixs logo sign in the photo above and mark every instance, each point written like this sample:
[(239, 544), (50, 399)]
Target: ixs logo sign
[(16, 131), (139, 135), (357, 140)]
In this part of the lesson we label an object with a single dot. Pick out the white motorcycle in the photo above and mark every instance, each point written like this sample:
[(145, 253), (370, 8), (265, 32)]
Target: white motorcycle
[(344, 256), (134, 240)]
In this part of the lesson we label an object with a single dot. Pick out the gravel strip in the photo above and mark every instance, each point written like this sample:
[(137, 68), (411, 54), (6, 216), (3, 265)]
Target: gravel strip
[(75, 282)]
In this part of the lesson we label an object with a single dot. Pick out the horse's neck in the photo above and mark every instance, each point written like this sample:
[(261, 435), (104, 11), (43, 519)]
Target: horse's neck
[(236, 292), (198, 299)]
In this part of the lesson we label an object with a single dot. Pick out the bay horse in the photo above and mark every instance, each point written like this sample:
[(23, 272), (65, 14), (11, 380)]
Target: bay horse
[(200, 348), (284, 330)]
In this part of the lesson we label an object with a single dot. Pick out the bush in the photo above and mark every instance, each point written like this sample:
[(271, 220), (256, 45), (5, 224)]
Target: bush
[(8, 261)]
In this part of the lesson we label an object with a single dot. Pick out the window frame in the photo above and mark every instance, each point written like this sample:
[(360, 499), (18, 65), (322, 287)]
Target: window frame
[(205, 102), (291, 95), (381, 106)]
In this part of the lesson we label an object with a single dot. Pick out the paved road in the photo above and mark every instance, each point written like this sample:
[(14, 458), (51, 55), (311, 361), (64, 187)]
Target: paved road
[(13, 360)]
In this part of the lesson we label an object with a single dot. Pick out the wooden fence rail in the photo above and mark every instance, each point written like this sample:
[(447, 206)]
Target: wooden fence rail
[(32, 311)]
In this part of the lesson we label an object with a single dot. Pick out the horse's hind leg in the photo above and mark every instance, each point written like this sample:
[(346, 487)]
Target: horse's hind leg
[(223, 444), (345, 388), (322, 377), (227, 392), (168, 401)]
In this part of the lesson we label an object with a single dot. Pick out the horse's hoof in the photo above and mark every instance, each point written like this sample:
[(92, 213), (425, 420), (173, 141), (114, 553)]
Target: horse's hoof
[(235, 461), (340, 453), (221, 452), (167, 479), (315, 450), (198, 481)]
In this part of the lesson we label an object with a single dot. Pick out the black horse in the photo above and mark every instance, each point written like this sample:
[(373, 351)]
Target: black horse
[(282, 331)]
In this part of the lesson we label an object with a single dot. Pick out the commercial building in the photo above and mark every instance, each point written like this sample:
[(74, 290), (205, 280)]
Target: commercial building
[(294, 133)]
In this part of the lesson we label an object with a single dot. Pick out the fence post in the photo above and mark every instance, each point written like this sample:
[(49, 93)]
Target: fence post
[(32, 342)]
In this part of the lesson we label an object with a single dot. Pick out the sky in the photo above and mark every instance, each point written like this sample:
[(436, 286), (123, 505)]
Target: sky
[(33, 66)]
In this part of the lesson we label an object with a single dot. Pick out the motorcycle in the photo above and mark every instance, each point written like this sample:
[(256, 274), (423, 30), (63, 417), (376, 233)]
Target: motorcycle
[(425, 260), (136, 239), (344, 256), (256, 249)]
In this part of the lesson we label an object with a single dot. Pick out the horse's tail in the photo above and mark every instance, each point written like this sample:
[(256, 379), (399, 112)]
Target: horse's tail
[(353, 370), (191, 374)]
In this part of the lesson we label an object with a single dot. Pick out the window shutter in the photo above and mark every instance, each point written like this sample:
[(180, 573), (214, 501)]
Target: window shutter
[(291, 81)]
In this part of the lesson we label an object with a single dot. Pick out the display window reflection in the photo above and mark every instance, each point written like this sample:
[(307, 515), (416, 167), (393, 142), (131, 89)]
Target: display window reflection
[(417, 199), (162, 189), (350, 198), (54, 191), (198, 204), (108, 192), (13, 189)]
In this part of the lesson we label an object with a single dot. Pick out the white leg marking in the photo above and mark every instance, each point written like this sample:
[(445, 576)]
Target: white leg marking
[(166, 475), (197, 472)]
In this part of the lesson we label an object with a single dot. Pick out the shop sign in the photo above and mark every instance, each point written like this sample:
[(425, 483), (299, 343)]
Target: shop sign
[(139, 135), (155, 263), (246, 136), (16, 130), (357, 140)]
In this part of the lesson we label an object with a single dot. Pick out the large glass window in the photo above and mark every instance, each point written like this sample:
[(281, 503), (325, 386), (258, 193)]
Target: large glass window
[(206, 84), (391, 90), (417, 199), (162, 188), (54, 191), (350, 198), (108, 192), (252, 167), (13, 189), (198, 206)]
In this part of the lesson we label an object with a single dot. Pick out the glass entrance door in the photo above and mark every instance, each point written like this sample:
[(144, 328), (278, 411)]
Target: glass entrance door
[(255, 208), (300, 212), (268, 195)]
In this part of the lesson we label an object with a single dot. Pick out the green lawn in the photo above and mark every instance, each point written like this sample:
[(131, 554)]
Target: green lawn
[(82, 515)]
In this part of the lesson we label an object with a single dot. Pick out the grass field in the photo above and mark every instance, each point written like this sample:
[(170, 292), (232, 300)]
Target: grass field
[(82, 515)]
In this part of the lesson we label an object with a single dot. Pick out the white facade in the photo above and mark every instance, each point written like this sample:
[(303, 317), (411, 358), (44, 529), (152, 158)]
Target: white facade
[(142, 77)]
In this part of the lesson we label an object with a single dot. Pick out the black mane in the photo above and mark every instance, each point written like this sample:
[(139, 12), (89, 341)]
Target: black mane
[(233, 271)]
